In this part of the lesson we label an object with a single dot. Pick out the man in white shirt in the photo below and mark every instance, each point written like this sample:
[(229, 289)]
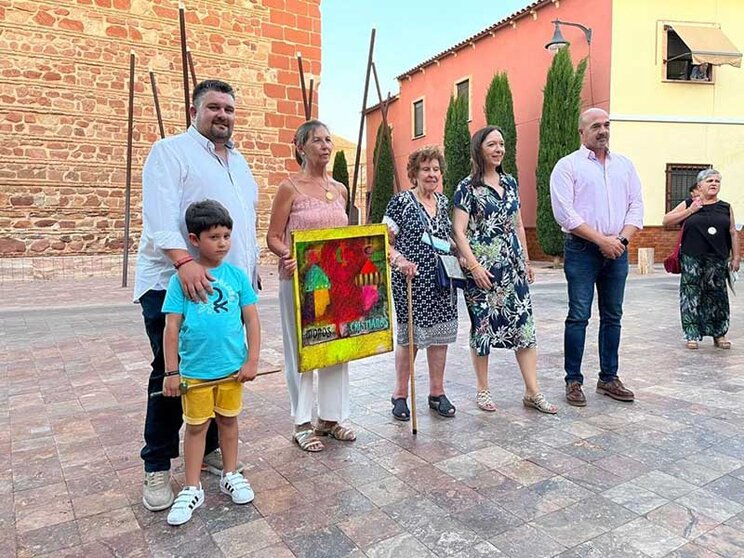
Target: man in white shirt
[(197, 164)]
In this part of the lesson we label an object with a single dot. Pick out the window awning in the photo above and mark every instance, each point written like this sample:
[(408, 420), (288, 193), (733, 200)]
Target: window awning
[(708, 44)]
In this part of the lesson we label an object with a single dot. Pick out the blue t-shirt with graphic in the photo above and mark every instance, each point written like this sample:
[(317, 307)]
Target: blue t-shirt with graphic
[(211, 342)]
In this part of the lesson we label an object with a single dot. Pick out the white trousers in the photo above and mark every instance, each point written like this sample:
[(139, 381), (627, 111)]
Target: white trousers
[(333, 382)]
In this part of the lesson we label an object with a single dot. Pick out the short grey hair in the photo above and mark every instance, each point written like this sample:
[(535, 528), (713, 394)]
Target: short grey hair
[(705, 173)]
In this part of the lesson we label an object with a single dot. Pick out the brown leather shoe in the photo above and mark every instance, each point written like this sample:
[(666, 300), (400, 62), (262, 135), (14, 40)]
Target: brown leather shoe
[(575, 395), (615, 389)]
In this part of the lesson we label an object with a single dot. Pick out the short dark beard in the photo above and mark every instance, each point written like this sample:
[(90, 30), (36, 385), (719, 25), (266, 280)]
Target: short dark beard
[(219, 135)]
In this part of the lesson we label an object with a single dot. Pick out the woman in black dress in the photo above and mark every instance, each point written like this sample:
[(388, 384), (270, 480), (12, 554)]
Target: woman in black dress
[(409, 215), (710, 249)]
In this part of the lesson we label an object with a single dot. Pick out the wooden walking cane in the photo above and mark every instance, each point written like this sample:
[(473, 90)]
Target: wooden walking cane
[(411, 355)]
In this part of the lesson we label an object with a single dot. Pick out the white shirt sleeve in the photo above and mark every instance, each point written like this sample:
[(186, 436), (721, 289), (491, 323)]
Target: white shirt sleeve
[(634, 215), (161, 194)]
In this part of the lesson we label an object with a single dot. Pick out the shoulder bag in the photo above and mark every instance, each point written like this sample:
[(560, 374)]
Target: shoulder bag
[(671, 262), (449, 274)]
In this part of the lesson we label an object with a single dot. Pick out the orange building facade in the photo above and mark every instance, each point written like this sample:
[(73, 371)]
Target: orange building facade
[(515, 45), (669, 120)]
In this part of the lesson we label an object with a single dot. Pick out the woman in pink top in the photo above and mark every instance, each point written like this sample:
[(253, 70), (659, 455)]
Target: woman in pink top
[(309, 199)]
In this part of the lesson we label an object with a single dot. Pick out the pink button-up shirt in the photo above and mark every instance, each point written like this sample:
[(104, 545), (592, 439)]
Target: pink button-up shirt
[(605, 197)]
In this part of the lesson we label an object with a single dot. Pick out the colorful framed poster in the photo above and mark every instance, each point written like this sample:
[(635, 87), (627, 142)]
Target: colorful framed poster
[(342, 294)]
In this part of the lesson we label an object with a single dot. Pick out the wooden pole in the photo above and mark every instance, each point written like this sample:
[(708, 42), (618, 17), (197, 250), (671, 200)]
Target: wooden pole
[(376, 162), (354, 218), (191, 66), (310, 99), (128, 182), (384, 110), (184, 61), (302, 86), (411, 354), (156, 100)]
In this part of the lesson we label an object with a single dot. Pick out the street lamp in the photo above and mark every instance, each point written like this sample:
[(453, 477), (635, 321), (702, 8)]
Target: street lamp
[(558, 42)]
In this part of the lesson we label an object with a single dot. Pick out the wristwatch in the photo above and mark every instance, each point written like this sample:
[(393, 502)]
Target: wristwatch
[(622, 239)]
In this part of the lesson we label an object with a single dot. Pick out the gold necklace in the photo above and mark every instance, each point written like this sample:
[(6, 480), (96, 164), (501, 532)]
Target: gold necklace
[(328, 194)]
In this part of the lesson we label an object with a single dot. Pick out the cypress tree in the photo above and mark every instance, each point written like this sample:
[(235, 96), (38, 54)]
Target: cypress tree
[(456, 144), (382, 186), (341, 169), (559, 136), (499, 111)]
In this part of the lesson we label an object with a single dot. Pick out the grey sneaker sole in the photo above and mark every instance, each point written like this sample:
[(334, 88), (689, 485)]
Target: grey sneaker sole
[(152, 508), (215, 471)]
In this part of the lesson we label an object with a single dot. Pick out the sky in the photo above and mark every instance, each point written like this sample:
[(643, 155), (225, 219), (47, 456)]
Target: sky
[(408, 32)]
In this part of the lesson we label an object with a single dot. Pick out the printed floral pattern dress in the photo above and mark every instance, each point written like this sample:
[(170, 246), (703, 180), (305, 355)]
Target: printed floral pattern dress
[(500, 317)]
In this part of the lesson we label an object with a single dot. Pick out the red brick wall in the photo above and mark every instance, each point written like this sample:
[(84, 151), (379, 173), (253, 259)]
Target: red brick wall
[(661, 239), (63, 105)]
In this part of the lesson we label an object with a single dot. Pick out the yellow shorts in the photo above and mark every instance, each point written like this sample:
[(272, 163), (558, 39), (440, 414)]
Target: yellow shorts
[(200, 405)]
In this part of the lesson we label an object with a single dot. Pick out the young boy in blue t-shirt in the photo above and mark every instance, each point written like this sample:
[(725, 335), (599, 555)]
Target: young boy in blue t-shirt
[(210, 341)]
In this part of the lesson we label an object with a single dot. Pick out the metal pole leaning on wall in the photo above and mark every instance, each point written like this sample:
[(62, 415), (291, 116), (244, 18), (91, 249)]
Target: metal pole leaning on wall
[(302, 86), (156, 100), (190, 60), (184, 60), (128, 183), (354, 218), (310, 99)]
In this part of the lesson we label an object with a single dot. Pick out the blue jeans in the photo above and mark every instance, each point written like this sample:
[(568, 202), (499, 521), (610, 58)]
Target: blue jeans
[(585, 267), (164, 416)]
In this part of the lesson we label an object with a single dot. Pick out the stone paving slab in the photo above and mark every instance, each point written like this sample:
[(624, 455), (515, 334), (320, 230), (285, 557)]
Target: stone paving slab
[(661, 477)]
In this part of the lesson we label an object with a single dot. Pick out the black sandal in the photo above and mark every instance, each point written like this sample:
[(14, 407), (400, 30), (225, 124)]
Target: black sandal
[(400, 409), (442, 406)]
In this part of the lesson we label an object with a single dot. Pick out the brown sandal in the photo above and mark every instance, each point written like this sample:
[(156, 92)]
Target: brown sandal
[(336, 431), (722, 342), (308, 441), (692, 344)]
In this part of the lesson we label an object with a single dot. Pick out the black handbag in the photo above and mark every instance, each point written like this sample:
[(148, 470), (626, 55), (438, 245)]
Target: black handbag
[(449, 274)]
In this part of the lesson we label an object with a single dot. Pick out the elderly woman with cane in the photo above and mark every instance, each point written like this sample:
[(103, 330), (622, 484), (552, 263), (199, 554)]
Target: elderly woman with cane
[(709, 250), (420, 228), (309, 199)]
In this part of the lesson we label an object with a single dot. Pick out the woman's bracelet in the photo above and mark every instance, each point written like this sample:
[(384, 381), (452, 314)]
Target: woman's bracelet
[(172, 373), (473, 266), (395, 258)]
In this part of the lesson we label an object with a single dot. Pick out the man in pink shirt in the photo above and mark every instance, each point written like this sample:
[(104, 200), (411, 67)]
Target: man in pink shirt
[(596, 199)]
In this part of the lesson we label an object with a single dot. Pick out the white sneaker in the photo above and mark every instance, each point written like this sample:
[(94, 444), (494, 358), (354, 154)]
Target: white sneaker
[(157, 493), (237, 487), (212, 463), (190, 498)]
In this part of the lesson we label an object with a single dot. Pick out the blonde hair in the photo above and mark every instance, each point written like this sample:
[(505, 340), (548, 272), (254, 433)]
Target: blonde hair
[(303, 134)]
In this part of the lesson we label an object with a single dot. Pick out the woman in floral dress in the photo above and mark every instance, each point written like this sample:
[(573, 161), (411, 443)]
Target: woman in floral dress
[(488, 231)]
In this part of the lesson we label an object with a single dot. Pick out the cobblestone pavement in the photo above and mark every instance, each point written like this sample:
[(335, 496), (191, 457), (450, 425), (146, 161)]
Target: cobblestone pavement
[(661, 477)]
